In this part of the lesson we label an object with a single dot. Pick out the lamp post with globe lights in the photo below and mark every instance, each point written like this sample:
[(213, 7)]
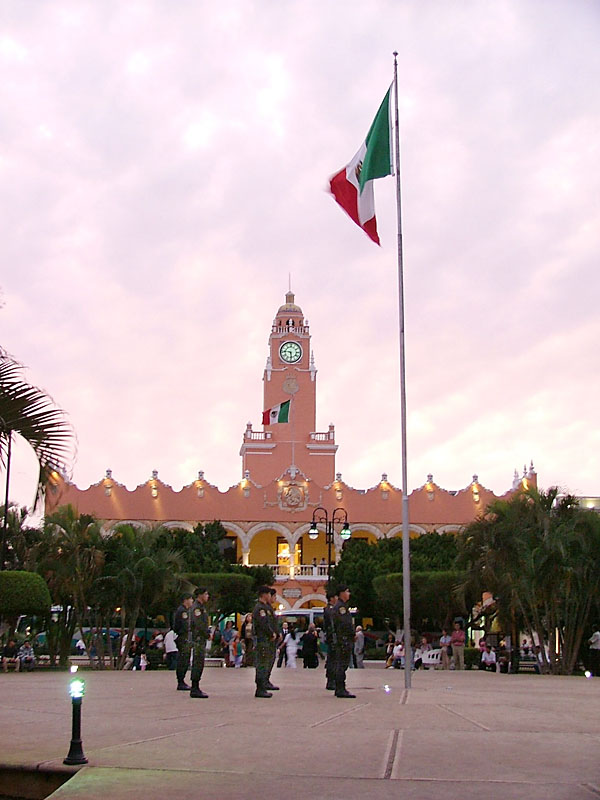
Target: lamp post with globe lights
[(338, 516)]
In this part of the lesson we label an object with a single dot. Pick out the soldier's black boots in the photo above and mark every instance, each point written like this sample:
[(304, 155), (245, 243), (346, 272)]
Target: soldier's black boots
[(330, 686), (262, 693), (345, 693), (196, 691), (183, 687), (272, 688)]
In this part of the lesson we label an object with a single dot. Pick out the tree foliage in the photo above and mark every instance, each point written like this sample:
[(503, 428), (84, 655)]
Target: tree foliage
[(22, 593), (30, 413), (230, 592), (434, 597), (362, 562), (538, 553)]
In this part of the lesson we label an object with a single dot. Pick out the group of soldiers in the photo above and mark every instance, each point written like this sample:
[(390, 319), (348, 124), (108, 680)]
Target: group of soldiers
[(191, 627)]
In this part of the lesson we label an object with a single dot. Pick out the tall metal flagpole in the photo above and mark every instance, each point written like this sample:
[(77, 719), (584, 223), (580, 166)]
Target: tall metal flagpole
[(405, 519)]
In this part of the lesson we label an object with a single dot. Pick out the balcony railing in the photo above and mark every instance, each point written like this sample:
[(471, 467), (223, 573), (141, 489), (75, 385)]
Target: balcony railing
[(322, 437), (258, 436), (306, 572)]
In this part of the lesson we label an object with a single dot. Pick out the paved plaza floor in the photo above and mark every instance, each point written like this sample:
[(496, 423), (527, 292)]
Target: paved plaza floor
[(453, 735)]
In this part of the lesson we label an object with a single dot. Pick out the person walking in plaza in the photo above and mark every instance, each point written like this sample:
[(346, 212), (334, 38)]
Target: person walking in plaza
[(170, 649), (290, 643), (594, 643), (199, 632), (359, 647), (181, 626), (343, 630), (282, 651), (226, 638), (248, 641), (264, 637), (329, 638), (310, 648), (458, 646)]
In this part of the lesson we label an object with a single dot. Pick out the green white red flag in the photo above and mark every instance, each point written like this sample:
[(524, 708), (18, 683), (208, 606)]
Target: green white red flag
[(352, 186), (279, 413)]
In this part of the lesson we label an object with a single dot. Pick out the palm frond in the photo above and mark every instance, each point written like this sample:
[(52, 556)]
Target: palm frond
[(30, 413)]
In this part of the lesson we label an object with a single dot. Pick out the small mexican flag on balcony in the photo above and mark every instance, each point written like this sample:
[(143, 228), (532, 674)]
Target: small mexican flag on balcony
[(278, 413)]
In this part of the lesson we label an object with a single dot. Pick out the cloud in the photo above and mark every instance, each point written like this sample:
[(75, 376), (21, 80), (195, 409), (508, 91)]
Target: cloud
[(164, 172)]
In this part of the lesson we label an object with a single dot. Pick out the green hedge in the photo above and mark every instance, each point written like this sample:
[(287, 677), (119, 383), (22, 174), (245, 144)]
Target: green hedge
[(472, 656), (23, 593)]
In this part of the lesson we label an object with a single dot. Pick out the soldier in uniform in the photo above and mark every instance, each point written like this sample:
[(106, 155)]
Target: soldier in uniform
[(200, 633), (329, 637), (270, 686), (264, 635), (343, 630), (181, 627)]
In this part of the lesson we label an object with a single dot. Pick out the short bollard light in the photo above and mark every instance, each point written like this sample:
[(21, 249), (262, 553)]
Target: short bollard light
[(76, 690)]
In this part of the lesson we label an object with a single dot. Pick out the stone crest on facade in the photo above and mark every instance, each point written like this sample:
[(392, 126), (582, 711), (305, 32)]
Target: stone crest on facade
[(290, 384), (292, 497)]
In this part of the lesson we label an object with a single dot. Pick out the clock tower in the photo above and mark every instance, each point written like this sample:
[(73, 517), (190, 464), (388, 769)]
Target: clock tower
[(290, 375)]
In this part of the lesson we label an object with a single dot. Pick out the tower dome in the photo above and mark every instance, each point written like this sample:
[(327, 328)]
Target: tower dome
[(289, 306)]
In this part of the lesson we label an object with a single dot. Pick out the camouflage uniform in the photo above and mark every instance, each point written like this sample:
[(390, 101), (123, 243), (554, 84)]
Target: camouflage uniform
[(330, 639), (264, 649), (181, 626), (343, 629), (200, 633)]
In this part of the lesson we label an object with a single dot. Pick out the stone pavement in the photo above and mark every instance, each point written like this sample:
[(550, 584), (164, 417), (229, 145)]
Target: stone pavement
[(453, 735)]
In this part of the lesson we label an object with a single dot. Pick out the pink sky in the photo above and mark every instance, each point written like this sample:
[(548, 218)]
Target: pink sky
[(163, 170)]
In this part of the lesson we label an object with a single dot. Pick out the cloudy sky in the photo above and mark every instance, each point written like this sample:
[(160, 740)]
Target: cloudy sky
[(163, 170)]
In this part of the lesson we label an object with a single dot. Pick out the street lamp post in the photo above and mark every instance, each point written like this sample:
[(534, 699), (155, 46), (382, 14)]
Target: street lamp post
[(76, 755), (338, 516)]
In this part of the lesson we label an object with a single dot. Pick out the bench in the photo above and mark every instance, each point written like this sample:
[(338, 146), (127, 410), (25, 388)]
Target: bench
[(529, 663), (432, 658)]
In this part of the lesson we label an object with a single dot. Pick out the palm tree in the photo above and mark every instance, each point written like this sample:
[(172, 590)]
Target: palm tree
[(139, 569), (74, 557), (538, 552), (31, 414)]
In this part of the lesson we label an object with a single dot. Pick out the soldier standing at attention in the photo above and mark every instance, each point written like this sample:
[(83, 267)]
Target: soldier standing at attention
[(329, 638), (181, 627), (343, 629), (200, 633), (265, 640), (273, 594)]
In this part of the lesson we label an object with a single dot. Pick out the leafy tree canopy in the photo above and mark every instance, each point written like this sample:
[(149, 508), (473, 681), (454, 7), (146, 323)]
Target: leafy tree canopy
[(361, 562)]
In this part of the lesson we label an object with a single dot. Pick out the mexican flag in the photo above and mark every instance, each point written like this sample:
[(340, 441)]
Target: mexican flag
[(352, 186), (278, 413)]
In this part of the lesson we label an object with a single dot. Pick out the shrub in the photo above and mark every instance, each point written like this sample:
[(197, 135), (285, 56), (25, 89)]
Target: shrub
[(22, 593)]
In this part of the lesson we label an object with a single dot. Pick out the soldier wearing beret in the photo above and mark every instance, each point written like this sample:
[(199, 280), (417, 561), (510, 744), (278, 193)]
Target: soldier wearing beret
[(264, 635), (199, 635), (343, 630), (182, 629), (329, 637)]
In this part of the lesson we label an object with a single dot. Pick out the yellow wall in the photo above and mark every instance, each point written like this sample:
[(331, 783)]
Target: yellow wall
[(263, 548), (314, 549)]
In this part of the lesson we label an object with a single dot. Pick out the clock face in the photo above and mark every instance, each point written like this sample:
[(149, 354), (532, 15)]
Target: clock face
[(290, 352)]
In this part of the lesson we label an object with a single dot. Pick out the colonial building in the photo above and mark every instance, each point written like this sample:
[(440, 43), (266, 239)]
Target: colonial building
[(288, 472)]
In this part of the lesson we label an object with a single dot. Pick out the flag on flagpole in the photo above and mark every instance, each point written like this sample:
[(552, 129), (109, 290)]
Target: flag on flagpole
[(278, 413), (352, 186)]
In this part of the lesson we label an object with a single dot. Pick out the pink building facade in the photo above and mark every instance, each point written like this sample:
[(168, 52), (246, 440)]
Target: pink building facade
[(288, 470)]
